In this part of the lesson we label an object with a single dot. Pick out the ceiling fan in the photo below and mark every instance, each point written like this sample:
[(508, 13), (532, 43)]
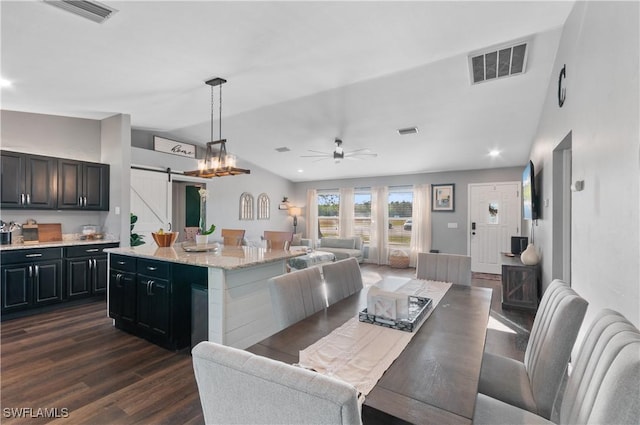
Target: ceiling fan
[(339, 154)]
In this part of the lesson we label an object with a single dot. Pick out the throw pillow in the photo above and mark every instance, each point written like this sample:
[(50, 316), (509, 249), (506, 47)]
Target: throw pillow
[(297, 239)]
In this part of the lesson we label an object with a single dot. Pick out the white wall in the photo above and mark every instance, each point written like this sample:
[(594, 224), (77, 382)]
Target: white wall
[(600, 47), (50, 135), (452, 241), (224, 192)]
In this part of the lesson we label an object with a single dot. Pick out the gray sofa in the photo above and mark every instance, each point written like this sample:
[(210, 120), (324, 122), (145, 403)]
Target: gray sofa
[(343, 247)]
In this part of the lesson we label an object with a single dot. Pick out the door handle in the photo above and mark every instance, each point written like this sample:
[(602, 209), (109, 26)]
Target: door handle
[(90, 263), (37, 272), (33, 255), (22, 199), (92, 250), (152, 268), (85, 201), (28, 199), (119, 279), (170, 226), (30, 272), (150, 287)]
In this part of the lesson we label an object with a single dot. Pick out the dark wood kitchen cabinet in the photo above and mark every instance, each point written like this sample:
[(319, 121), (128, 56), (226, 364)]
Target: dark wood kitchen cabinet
[(83, 185), (151, 298), (122, 290), (86, 270), (28, 181), (31, 278)]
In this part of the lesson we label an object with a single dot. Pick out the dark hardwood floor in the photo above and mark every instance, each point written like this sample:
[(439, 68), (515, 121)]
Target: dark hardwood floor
[(75, 364)]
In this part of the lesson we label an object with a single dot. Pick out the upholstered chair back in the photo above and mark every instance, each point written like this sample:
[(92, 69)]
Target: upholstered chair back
[(552, 337), (534, 384), (232, 237), (296, 295), (444, 267), (342, 278), (237, 387), (604, 386), (277, 240)]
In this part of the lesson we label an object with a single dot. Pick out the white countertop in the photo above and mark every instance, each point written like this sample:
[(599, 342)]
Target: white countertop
[(227, 258), (56, 244)]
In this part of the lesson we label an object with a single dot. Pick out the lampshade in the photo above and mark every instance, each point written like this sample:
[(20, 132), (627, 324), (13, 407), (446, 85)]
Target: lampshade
[(295, 211)]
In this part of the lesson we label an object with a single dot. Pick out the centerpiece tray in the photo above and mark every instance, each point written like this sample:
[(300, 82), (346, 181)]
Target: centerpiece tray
[(418, 308), (192, 247)]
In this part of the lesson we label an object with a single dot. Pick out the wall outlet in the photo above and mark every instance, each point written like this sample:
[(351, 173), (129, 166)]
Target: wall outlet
[(117, 211), (452, 225)]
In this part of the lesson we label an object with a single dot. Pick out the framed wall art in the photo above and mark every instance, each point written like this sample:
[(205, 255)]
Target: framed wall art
[(442, 197)]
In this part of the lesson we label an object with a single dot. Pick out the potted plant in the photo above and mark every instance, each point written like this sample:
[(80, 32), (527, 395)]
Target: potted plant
[(203, 233), (134, 238)]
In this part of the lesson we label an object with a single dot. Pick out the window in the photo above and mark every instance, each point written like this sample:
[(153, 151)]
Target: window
[(400, 211), (362, 214), (328, 213)]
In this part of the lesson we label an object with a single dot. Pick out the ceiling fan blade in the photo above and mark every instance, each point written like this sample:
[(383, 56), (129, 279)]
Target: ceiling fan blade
[(364, 150), (324, 155), (362, 154)]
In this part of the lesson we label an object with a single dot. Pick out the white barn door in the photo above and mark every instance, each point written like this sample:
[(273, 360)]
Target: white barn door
[(151, 202), (494, 216)]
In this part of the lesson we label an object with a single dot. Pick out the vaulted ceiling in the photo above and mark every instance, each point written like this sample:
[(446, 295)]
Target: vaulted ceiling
[(299, 75)]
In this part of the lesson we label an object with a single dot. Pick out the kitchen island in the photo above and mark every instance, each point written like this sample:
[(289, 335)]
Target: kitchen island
[(239, 304)]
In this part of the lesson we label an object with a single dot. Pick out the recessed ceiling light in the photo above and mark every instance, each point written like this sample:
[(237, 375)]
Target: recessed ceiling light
[(494, 153), (408, 130), (5, 83), (300, 170)]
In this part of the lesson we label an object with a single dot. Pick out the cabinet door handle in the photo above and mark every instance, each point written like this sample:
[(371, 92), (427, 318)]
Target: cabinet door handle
[(150, 287), (90, 263), (119, 279), (28, 199), (22, 199), (33, 255), (121, 263), (92, 250), (152, 268), (95, 263), (30, 272), (37, 272), (84, 201)]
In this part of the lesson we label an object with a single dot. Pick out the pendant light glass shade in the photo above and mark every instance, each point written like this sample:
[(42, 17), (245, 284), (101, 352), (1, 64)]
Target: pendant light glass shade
[(217, 162)]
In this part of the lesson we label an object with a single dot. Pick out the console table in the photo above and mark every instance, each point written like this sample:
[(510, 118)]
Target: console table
[(519, 284)]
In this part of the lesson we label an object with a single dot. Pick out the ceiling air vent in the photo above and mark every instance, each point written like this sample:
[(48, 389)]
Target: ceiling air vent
[(498, 63), (283, 149), (91, 10), (408, 130)]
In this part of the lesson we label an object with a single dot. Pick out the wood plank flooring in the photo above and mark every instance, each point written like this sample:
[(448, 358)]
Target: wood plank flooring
[(75, 364)]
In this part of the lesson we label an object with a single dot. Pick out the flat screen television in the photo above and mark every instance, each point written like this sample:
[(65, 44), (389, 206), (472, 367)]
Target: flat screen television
[(529, 201)]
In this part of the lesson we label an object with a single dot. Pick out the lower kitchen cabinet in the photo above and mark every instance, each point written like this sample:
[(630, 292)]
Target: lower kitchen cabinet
[(151, 299), (86, 270), (31, 278)]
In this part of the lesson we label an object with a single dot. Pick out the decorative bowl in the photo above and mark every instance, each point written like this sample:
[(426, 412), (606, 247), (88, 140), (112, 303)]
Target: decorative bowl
[(165, 239)]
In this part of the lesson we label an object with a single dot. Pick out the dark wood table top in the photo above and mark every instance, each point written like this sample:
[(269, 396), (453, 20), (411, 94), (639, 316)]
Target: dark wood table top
[(433, 381)]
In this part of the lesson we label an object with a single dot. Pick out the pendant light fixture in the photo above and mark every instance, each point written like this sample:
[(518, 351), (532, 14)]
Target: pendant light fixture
[(217, 162)]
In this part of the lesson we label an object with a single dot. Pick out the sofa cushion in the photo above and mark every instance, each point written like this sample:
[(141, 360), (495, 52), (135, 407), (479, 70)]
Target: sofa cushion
[(344, 243)]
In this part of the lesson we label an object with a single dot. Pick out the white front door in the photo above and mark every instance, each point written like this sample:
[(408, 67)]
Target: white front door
[(151, 202), (494, 216)]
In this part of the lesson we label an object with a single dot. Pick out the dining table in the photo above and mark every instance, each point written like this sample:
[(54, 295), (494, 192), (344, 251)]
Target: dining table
[(435, 378)]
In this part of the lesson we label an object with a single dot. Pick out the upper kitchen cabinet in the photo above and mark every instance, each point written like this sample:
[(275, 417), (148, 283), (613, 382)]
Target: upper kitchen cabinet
[(83, 185), (28, 181)]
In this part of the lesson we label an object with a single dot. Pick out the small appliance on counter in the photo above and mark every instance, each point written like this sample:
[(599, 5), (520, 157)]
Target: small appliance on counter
[(30, 232), (90, 232), (6, 230)]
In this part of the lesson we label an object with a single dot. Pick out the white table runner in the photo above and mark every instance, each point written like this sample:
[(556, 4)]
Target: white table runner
[(359, 353)]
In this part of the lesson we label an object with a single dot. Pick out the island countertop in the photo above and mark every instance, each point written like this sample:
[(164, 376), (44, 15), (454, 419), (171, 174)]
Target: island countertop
[(226, 258)]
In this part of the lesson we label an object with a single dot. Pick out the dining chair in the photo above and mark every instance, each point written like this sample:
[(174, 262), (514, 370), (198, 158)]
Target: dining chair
[(232, 237), (533, 384), (342, 278), (444, 267), (602, 388), (296, 295), (238, 387), (277, 240), (190, 233)]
